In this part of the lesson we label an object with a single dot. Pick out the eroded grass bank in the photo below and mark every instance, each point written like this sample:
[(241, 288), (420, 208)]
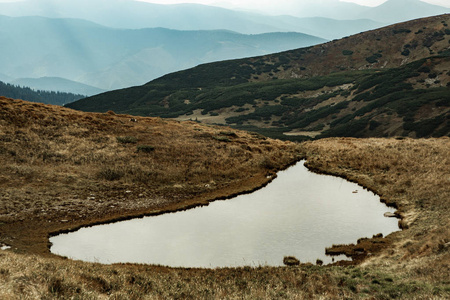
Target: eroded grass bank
[(61, 169)]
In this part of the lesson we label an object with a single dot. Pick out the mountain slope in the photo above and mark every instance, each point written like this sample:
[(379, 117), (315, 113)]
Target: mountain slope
[(110, 58), (323, 90)]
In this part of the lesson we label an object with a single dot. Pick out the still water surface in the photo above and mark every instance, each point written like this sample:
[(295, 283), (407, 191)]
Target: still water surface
[(299, 213)]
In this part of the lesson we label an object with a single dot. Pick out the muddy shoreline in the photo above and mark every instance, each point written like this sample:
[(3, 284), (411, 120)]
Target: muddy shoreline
[(364, 247), (32, 235)]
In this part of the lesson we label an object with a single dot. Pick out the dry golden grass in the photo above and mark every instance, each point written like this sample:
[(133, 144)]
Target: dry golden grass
[(412, 175), (61, 165), (82, 168)]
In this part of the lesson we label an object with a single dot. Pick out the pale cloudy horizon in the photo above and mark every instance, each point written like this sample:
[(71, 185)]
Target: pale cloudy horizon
[(261, 4), (281, 7), (270, 4)]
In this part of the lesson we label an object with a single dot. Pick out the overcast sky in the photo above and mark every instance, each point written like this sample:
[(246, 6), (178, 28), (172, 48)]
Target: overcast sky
[(268, 5), (261, 4)]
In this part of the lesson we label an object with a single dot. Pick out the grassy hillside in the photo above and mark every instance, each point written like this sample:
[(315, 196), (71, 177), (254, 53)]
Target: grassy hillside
[(165, 165), (62, 169), (387, 82)]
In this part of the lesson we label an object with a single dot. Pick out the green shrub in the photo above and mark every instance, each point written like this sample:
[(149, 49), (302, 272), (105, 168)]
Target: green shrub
[(221, 138), (373, 124), (126, 139), (405, 52), (228, 133), (424, 69), (145, 148), (347, 52), (241, 109), (374, 58), (401, 30)]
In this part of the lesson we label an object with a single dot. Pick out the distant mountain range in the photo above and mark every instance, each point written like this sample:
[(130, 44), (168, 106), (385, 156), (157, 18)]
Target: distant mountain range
[(394, 11), (394, 81), (389, 12), (57, 84), (135, 14), (107, 58), (131, 46)]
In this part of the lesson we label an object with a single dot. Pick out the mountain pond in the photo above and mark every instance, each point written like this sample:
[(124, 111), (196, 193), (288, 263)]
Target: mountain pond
[(299, 214)]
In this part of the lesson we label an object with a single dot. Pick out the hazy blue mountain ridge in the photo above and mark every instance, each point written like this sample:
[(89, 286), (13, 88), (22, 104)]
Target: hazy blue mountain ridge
[(394, 11), (107, 58), (135, 14)]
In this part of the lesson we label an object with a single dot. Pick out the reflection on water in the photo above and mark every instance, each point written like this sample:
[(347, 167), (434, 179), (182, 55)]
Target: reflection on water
[(300, 213)]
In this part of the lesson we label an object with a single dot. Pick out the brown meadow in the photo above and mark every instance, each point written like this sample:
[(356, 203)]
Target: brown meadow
[(63, 169)]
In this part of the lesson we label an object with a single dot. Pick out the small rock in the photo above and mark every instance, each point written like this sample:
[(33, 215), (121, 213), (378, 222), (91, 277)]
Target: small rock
[(5, 247), (128, 192), (64, 221), (355, 191), (389, 215)]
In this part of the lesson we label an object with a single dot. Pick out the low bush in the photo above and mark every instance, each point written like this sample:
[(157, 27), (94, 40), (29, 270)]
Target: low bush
[(374, 58), (110, 173), (145, 148), (401, 30), (347, 52), (126, 139)]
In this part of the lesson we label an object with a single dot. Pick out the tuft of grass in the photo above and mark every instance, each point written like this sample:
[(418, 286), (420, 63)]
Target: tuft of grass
[(110, 173), (126, 139), (145, 148), (221, 138)]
